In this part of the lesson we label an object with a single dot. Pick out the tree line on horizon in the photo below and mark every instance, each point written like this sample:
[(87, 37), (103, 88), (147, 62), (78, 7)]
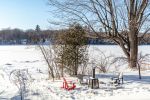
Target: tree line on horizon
[(18, 36), (34, 36)]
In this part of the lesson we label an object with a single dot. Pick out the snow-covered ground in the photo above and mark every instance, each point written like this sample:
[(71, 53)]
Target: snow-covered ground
[(28, 62)]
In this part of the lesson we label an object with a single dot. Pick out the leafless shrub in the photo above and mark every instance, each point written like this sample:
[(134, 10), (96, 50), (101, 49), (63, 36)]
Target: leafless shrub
[(102, 61), (49, 57), (119, 62), (21, 79), (142, 60), (83, 68)]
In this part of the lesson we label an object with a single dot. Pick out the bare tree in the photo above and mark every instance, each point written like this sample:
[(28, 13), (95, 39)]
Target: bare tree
[(121, 21), (49, 57)]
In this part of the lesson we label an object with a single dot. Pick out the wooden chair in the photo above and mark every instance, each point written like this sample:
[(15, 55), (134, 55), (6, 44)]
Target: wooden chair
[(68, 85), (82, 80), (117, 79)]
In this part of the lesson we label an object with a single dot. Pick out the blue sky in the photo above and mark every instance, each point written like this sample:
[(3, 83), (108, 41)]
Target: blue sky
[(24, 14)]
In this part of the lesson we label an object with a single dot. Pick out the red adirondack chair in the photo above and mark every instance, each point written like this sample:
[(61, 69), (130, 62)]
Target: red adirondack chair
[(68, 85)]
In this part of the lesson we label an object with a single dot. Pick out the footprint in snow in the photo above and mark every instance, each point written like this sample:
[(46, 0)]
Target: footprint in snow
[(31, 61), (8, 64)]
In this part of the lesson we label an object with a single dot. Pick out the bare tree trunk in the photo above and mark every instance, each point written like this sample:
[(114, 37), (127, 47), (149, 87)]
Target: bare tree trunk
[(76, 61), (133, 40), (62, 68), (76, 69), (45, 55), (139, 69), (133, 56)]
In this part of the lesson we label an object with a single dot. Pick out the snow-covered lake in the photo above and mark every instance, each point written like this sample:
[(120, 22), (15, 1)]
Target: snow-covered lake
[(116, 50), (29, 58)]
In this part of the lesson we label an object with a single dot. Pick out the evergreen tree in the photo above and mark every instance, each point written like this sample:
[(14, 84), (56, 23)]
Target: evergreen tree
[(73, 51)]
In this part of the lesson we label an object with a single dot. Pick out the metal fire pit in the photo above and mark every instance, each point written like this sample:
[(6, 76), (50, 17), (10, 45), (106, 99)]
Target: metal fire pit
[(93, 82)]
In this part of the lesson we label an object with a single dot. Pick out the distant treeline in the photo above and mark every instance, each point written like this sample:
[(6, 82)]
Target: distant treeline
[(18, 36)]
